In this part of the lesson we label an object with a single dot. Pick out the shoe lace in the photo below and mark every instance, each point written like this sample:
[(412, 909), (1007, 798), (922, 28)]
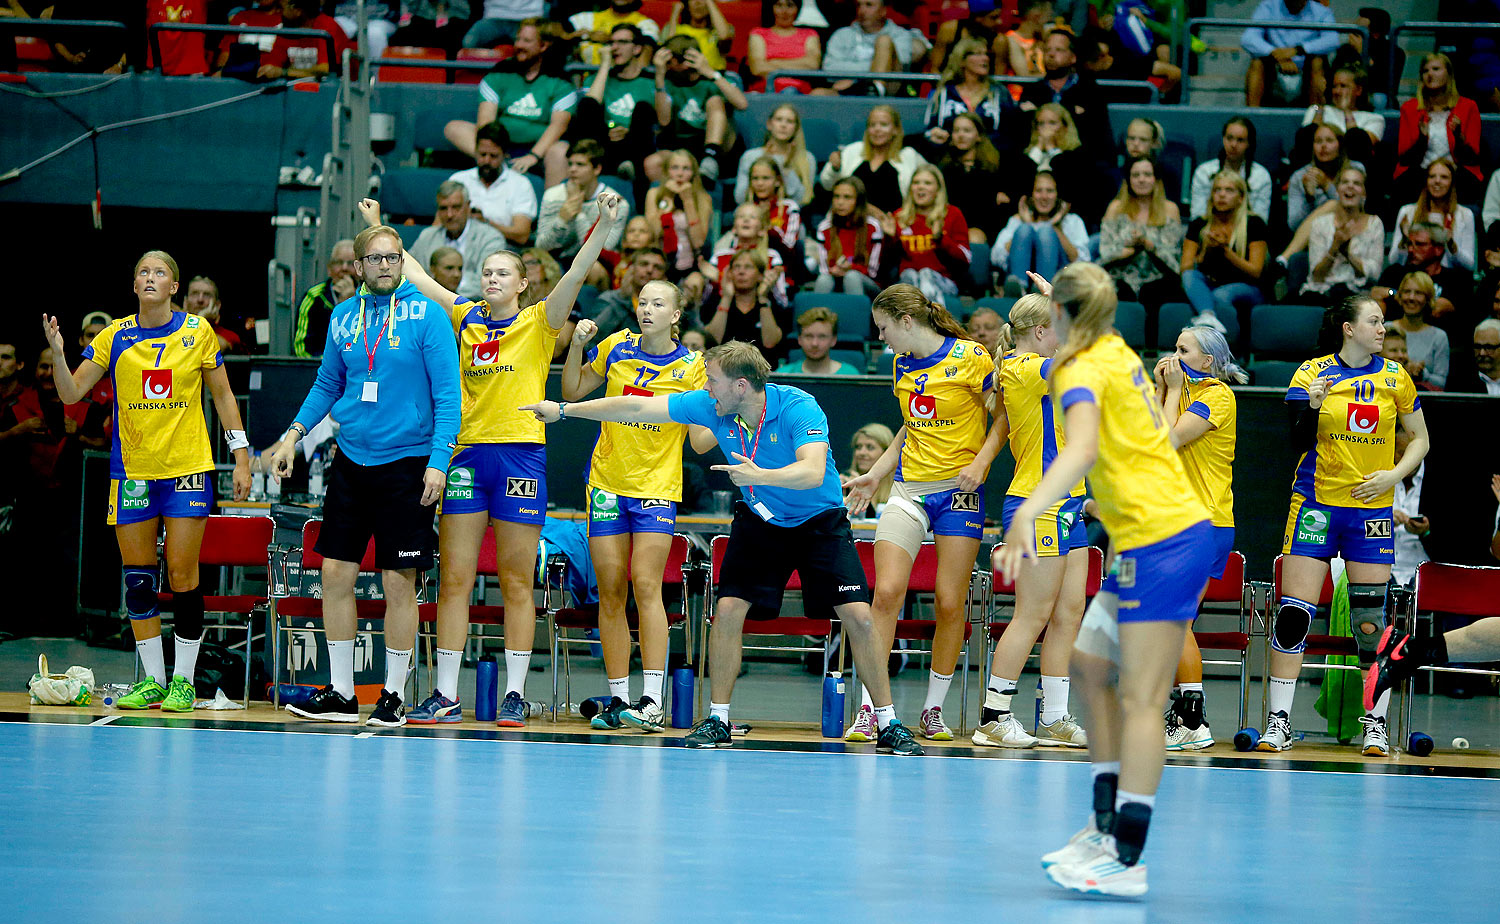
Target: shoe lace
[(1374, 726), (1279, 723)]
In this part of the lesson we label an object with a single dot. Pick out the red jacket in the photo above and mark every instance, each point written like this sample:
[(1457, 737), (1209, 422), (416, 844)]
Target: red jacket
[(1411, 147), (948, 255)]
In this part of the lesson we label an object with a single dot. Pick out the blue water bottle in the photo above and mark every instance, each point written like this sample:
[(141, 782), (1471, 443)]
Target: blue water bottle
[(487, 687), (833, 705), (682, 698)]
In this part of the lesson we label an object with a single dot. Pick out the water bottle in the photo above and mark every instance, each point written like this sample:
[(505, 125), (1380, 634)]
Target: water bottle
[(682, 698), (273, 488), (257, 479), (486, 687), (108, 693), (536, 709), (315, 476), (593, 706), (833, 705)]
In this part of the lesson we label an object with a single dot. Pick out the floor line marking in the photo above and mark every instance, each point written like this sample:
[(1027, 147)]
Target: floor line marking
[(104, 721)]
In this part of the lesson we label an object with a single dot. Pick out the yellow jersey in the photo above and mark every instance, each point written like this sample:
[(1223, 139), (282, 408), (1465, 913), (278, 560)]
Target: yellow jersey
[(160, 431), (1138, 479), (1356, 427), (642, 459), (942, 407), (1209, 459), (503, 366), (1036, 432)]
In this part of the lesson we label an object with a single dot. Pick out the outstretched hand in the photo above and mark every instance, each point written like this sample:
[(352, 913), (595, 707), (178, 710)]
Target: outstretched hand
[(743, 472), (545, 411)]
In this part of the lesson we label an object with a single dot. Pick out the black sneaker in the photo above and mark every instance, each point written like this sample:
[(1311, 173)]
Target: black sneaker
[(710, 733), (327, 705), (609, 716), (389, 711), (897, 739)]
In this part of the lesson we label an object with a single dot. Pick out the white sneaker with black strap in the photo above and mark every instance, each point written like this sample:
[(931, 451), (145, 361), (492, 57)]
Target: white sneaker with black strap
[(1377, 743)]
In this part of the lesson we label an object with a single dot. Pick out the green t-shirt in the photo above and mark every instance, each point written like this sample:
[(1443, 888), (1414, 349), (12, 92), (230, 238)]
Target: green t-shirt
[(690, 103), (795, 368), (622, 96), (526, 108)]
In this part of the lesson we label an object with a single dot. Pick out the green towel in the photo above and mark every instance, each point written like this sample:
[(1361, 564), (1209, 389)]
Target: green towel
[(1341, 701)]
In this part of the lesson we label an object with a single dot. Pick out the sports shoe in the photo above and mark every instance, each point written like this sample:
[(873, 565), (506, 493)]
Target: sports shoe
[(709, 733), (1278, 736), (1181, 738), (1101, 873), (646, 715), (864, 727), (1065, 732), (708, 169), (145, 694), (389, 711), (1395, 661), (1377, 744), (933, 728), (609, 716), (1080, 846), (1004, 732), (179, 696), (897, 739), (327, 705), (436, 708), (512, 712), (1209, 319)]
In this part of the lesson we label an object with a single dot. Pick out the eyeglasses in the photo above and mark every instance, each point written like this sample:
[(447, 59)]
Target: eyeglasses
[(376, 259), (1487, 346)]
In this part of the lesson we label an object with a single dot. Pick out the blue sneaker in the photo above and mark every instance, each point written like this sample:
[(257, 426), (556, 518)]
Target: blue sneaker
[(512, 712), (434, 709)]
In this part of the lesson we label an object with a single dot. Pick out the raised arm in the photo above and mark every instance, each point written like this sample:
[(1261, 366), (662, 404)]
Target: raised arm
[(411, 267), (565, 293), (71, 386)]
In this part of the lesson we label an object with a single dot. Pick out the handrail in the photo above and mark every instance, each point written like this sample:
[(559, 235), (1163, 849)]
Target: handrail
[(154, 37), (1427, 28), (1213, 21), (907, 77), (39, 27)]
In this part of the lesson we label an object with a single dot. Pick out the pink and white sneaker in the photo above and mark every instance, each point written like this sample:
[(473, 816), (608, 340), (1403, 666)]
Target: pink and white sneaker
[(864, 728), (932, 725)]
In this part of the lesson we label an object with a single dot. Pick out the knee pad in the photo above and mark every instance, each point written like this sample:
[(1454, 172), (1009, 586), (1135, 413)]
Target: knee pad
[(1293, 620), (140, 592), (1366, 606), (187, 608)]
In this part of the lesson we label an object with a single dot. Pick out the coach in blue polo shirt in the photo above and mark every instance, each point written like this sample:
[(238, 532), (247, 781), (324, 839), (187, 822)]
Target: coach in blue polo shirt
[(791, 518)]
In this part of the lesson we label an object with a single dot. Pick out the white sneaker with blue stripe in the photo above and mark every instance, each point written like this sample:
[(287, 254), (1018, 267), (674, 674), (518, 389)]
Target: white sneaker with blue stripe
[(1101, 873)]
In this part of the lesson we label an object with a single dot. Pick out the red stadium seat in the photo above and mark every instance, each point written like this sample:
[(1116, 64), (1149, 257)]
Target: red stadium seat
[(1462, 590), (33, 54), (390, 73), (1232, 592), (491, 55), (659, 11), (742, 15)]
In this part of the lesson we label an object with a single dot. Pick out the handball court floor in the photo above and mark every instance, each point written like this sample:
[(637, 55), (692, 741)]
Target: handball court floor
[(250, 816)]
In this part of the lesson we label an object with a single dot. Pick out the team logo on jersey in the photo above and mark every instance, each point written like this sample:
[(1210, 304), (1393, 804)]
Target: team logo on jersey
[(487, 353), (1312, 526), (188, 340), (967, 501), (604, 507), (958, 351), (922, 407), (460, 484), (638, 392), (1378, 529), (815, 432), (134, 494), (603, 500), (1363, 418), (1046, 542), (189, 483), (1125, 571), (679, 374), (1390, 383), (156, 384), (655, 503), (951, 371), (520, 487)]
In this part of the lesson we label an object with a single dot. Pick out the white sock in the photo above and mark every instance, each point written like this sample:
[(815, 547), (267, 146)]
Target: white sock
[(1105, 766), (1381, 705), (396, 664), (1282, 692), (885, 715), (937, 689), (1054, 698), (997, 695), (864, 698), (185, 656), (654, 682), (620, 686), (448, 663), (517, 663), (153, 662), (1122, 797), (341, 666), (1191, 687), (720, 711)]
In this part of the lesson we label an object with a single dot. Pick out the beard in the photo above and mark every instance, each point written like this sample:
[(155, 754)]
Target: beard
[(379, 286), (488, 173)]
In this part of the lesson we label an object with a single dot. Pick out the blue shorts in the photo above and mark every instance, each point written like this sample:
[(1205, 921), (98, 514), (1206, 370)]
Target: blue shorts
[(135, 500), (613, 515), (1059, 530), (1223, 545), (949, 512), (1361, 534), (1161, 582), (506, 480)]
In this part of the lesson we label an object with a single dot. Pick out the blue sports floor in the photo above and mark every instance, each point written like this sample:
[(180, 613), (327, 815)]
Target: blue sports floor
[(142, 821)]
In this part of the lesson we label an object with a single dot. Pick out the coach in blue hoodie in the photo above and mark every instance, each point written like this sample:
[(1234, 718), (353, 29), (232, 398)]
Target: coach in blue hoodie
[(390, 379)]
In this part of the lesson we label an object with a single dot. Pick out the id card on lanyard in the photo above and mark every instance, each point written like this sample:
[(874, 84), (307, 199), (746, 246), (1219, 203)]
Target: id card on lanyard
[(371, 390), (758, 506)]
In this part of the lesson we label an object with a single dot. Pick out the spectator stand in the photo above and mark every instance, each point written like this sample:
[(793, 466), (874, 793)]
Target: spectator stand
[(153, 37), (33, 39), (1439, 31), (1198, 24)]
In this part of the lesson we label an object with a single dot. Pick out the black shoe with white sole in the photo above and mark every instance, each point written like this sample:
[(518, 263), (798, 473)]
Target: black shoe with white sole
[(327, 705), (389, 711)]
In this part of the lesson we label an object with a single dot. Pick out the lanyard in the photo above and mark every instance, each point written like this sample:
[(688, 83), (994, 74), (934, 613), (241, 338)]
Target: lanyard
[(365, 339), (756, 446)]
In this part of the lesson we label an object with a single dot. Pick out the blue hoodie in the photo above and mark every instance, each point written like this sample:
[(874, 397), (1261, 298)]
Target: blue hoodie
[(417, 406)]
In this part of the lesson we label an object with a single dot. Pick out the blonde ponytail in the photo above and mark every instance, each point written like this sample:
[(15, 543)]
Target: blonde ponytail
[(1087, 295)]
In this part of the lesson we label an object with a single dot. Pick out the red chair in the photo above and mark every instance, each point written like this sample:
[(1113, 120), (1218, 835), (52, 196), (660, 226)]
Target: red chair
[(491, 56), (660, 11), (236, 542), (32, 54), (742, 16), (1463, 590), (1232, 592), (923, 580), (586, 617), (777, 626), (389, 73)]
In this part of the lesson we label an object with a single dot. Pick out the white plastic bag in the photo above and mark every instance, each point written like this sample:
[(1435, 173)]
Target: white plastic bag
[(75, 688)]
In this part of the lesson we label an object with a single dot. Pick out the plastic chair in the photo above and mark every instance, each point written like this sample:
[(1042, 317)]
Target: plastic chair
[(390, 73), (1170, 321), (1462, 590), (32, 54), (1232, 589), (411, 192), (1284, 331), (994, 585), (1274, 373), (853, 312), (1130, 321), (491, 55)]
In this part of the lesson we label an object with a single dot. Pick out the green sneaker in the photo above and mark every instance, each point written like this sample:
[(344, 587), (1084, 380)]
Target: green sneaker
[(147, 694), (180, 696)]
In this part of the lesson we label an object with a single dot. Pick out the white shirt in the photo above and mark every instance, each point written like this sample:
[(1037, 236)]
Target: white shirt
[(1371, 122), (1437, 138), (1491, 387), (1259, 182), (1462, 232), (1409, 551), (510, 195)]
